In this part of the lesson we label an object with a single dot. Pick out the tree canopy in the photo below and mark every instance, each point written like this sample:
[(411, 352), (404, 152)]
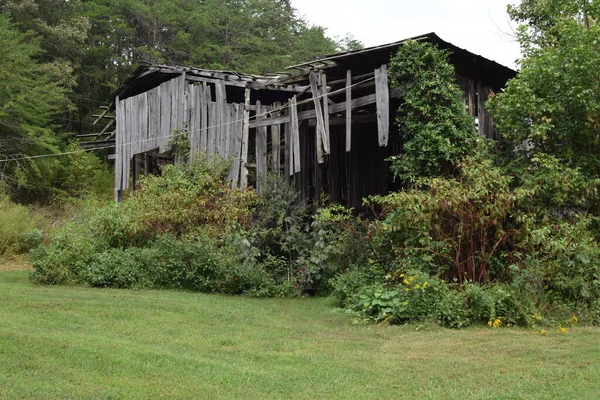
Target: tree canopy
[(64, 58), (553, 105)]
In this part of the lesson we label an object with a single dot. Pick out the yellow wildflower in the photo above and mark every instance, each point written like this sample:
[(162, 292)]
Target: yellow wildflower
[(406, 289), (562, 329), (411, 278), (405, 303), (425, 284), (496, 323), (401, 276), (543, 332), (417, 287), (574, 320), (405, 282), (536, 317)]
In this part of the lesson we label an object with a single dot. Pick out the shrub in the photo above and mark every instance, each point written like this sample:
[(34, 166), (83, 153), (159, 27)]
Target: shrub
[(18, 227), (413, 296)]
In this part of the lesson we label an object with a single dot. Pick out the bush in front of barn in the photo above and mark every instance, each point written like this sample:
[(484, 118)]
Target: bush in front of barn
[(187, 229)]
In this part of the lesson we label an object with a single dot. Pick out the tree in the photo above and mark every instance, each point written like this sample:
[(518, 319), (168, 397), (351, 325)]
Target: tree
[(553, 105), (29, 99)]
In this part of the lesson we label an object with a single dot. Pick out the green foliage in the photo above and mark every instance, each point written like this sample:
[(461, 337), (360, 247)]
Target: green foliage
[(184, 229), (18, 229), (85, 175), (553, 105), (414, 297), (302, 250), (493, 248), (29, 98), (451, 227), (436, 130)]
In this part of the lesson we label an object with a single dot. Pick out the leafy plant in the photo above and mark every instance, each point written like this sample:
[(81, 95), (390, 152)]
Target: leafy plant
[(435, 128)]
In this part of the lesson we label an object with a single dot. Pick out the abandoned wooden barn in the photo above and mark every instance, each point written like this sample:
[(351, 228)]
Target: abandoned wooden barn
[(326, 125)]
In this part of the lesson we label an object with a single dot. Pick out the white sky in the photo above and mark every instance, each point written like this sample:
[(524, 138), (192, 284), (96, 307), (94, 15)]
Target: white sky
[(479, 26)]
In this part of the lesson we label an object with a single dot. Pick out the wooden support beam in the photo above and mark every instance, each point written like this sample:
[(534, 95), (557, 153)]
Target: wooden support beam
[(245, 138), (320, 131), (276, 142), (348, 110), (261, 149), (295, 135), (382, 92), (221, 120), (204, 100), (326, 140), (99, 117), (337, 108), (354, 79), (287, 145)]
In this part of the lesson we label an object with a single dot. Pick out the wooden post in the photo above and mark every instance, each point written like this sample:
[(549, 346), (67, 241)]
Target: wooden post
[(204, 100), (221, 120), (287, 145), (348, 110), (236, 143), (326, 139), (383, 105), (245, 136), (261, 149), (118, 150), (276, 142), (295, 134), (320, 130)]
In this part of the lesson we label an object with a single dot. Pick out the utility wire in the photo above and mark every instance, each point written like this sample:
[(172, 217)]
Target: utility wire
[(8, 159)]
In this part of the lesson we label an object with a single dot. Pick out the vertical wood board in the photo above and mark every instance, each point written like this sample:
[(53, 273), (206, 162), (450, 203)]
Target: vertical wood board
[(383, 105)]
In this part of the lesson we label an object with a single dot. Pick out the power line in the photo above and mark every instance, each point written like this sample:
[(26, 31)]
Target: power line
[(192, 131)]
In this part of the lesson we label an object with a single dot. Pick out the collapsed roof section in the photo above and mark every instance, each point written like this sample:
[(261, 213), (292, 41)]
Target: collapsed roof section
[(296, 80)]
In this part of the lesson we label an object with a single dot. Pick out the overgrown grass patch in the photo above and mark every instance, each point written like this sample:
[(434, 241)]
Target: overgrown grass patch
[(76, 342)]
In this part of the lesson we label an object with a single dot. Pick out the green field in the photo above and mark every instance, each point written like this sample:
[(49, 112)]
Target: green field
[(73, 342)]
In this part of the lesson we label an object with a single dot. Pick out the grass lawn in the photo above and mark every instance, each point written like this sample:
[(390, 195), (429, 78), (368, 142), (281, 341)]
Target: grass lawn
[(73, 342)]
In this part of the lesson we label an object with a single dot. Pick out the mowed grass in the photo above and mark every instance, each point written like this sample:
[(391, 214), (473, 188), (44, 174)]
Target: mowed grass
[(74, 342)]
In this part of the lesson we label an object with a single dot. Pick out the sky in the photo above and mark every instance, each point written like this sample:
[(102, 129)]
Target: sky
[(479, 26)]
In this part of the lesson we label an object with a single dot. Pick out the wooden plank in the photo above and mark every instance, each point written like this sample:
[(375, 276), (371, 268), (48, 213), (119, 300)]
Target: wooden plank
[(204, 100), (324, 99), (193, 128), (154, 115), (276, 142), (471, 97), (287, 148), (126, 143), (245, 138), (295, 133), (383, 105), (237, 134), (229, 136), (183, 111), (334, 109), (261, 149), (118, 150), (141, 147), (221, 100), (212, 131), (348, 110), (174, 106), (165, 114), (320, 130)]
